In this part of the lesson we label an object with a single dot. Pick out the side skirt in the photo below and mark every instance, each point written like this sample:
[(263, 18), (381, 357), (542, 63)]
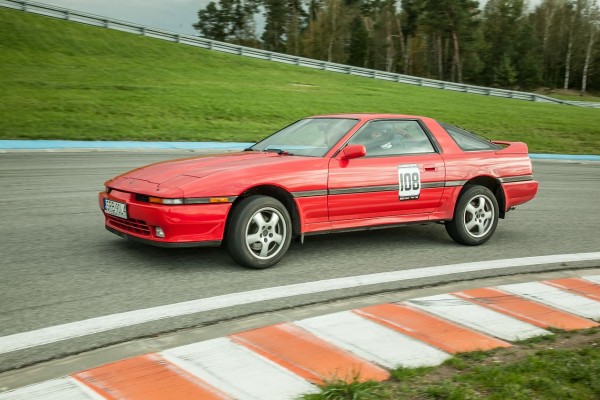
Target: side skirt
[(370, 228)]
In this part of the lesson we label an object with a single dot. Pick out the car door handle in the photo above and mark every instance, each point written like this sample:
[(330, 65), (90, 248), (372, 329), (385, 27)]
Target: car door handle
[(430, 168)]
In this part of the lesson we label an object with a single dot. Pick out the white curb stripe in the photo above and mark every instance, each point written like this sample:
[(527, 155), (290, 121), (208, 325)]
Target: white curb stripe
[(555, 297), (477, 317), (372, 341), (592, 278), (90, 326), (55, 389), (238, 371)]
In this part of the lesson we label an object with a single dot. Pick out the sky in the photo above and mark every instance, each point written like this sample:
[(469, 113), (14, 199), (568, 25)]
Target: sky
[(172, 15)]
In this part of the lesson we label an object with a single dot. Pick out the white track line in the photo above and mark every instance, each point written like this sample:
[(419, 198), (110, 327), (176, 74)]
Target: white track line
[(372, 341), (90, 326)]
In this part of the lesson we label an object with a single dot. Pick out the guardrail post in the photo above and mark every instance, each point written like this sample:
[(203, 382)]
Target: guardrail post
[(106, 23), (143, 31), (349, 70), (178, 38)]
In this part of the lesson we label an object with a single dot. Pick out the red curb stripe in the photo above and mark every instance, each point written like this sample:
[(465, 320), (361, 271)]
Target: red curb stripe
[(577, 286), (435, 331), (148, 377), (526, 310), (307, 355)]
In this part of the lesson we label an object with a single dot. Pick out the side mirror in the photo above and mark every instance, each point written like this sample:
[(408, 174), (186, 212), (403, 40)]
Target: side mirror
[(353, 151)]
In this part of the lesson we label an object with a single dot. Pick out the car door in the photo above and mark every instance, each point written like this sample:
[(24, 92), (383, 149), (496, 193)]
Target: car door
[(401, 174)]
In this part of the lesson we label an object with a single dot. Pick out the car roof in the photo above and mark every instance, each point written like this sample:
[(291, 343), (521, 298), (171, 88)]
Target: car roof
[(367, 116)]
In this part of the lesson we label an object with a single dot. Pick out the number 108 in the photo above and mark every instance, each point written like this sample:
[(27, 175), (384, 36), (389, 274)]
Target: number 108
[(409, 181)]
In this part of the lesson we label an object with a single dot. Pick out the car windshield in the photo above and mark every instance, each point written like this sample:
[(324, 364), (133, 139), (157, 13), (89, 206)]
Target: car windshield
[(308, 137)]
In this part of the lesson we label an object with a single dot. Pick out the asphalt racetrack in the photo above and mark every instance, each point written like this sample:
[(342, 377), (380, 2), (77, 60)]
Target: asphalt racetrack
[(59, 264)]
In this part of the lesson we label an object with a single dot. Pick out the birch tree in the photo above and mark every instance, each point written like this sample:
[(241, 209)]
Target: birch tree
[(592, 17)]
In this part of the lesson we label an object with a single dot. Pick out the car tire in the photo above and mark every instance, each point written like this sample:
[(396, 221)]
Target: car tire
[(475, 216), (259, 232)]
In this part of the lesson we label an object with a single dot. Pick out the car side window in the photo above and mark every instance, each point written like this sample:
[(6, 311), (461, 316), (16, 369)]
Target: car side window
[(393, 137), (467, 140)]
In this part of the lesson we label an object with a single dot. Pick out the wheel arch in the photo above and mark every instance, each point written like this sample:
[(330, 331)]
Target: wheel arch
[(494, 185), (275, 192)]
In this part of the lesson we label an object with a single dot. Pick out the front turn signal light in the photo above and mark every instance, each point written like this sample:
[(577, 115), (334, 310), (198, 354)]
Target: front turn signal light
[(218, 200), (159, 200)]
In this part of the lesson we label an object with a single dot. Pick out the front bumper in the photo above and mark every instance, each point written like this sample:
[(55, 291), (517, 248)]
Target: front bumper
[(183, 225), (208, 243)]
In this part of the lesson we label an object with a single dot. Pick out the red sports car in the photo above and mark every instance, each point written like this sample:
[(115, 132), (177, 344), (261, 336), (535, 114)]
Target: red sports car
[(323, 174)]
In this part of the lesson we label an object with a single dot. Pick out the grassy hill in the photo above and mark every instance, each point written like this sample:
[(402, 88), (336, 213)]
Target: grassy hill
[(62, 80)]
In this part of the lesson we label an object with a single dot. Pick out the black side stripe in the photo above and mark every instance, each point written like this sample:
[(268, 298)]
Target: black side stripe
[(512, 179), (365, 189), (455, 183), (388, 188), (310, 193), (361, 189), (431, 185)]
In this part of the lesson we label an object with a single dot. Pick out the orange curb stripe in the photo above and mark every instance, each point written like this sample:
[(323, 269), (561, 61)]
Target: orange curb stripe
[(148, 377), (307, 355), (526, 310), (577, 286), (435, 331)]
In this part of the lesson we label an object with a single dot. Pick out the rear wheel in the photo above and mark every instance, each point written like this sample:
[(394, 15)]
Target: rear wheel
[(259, 233), (475, 216)]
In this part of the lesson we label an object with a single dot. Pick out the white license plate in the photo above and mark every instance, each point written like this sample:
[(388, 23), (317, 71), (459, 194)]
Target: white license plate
[(115, 208)]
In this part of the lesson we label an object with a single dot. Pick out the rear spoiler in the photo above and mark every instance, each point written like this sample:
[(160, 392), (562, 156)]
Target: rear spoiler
[(512, 147)]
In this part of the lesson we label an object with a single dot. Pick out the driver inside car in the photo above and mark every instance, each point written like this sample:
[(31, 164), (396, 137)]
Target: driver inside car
[(376, 139)]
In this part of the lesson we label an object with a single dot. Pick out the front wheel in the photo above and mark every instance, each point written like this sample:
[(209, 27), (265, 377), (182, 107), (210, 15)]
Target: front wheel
[(259, 234), (475, 217)]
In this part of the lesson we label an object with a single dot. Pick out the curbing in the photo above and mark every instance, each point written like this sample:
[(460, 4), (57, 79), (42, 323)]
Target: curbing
[(288, 359)]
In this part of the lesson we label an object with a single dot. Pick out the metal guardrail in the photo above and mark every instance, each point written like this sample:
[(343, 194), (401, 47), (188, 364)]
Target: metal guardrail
[(95, 20)]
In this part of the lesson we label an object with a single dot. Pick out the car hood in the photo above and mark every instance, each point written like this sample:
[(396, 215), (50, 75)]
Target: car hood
[(199, 167)]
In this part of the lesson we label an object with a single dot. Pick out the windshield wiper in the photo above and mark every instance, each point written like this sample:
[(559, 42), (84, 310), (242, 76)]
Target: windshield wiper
[(279, 151)]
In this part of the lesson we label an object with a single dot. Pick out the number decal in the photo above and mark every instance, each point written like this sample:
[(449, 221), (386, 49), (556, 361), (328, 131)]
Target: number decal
[(409, 181)]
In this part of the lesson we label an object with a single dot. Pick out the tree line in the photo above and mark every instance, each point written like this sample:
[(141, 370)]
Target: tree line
[(504, 43)]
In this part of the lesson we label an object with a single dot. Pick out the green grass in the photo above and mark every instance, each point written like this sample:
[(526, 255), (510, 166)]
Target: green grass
[(62, 80), (547, 374), (570, 371), (353, 390)]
